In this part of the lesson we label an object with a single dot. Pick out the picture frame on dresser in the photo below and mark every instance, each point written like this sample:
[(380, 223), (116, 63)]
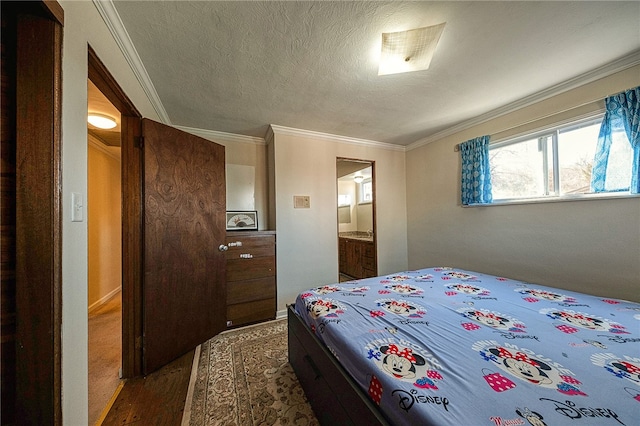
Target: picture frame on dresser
[(242, 220)]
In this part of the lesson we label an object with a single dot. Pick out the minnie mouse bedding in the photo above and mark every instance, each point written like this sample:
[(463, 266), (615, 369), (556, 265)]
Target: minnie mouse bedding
[(440, 346)]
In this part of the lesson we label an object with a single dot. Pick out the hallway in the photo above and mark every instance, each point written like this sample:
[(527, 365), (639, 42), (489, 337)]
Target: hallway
[(105, 351)]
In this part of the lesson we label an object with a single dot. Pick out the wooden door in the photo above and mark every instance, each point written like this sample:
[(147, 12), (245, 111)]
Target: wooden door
[(184, 223)]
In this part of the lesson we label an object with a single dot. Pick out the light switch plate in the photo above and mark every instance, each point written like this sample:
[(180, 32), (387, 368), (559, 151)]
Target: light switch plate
[(77, 207), (301, 202)]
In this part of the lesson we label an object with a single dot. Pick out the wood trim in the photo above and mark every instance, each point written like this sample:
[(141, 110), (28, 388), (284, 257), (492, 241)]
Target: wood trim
[(104, 81), (8, 218), (54, 10), (131, 163), (131, 247), (38, 221)]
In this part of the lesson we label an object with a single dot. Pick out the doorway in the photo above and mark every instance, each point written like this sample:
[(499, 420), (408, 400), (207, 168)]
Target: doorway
[(356, 207), (153, 320), (104, 222)]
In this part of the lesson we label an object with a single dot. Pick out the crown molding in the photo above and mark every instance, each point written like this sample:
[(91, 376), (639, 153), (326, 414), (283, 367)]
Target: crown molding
[(110, 15), (269, 136), (98, 144), (274, 129), (601, 72), (222, 138)]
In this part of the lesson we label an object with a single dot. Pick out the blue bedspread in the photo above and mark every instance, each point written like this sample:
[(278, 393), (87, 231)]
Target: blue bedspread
[(441, 346)]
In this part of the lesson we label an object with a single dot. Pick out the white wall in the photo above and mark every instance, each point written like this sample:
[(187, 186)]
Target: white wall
[(82, 26), (307, 240), (591, 246)]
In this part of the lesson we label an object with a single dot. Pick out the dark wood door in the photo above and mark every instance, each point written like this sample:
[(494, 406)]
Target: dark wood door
[(184, 223)]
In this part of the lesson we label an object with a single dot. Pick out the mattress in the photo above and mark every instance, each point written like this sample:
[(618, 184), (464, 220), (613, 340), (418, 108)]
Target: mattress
[(443, 346)]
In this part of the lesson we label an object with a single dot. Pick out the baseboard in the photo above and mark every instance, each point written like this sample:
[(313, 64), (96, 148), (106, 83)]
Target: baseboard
[(186, 413), (112, 400), (95, 305), (281, 314)]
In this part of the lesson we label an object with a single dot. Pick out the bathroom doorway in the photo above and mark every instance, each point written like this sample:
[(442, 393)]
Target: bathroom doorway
[(356, 210)]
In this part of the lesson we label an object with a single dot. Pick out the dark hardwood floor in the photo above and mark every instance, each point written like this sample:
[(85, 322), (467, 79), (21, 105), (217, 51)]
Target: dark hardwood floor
[(156, 399)]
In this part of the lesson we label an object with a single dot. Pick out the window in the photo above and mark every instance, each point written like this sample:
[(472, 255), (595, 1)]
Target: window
[(366, 191), (344, 200), (557, 163)]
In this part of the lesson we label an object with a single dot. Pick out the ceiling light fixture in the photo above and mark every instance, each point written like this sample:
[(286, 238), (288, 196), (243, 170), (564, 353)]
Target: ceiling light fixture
[(406, 51), (101, 121), (358, 179)]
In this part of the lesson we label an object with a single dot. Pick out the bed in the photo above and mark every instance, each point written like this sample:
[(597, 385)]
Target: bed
[(443, 346)]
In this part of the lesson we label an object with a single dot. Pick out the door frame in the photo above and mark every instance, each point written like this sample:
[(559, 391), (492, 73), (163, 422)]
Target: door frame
[(372, 164), (38, 185), (132, 217)]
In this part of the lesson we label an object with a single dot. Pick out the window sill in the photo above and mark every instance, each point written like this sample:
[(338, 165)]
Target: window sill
[(562, 199)]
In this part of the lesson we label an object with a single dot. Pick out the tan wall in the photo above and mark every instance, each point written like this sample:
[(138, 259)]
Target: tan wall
[(252, 154), (245, 151), (349, 188), (365, 217), (591, 246), (104, 224), (307, 249)]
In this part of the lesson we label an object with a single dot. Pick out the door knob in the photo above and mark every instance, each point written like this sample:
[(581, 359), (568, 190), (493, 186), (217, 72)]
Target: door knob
[(223, 247)]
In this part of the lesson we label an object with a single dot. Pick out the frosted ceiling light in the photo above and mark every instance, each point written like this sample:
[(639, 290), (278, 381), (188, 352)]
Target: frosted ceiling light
[(358, 178), (101, 121), (411, 50)]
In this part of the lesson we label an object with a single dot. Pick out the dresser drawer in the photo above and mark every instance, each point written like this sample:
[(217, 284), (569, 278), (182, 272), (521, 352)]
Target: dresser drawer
[(248, 269), (244, 313), (255, 246), (251, 277), (251, 290)]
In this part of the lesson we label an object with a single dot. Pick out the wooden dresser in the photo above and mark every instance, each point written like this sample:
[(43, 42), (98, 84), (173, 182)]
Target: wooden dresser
[(251, 277)]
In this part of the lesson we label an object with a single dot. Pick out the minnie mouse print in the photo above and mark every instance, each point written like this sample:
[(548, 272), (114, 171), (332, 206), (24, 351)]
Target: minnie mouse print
[(529, 367), (494, 320), (405, 362), (622, 367), (583, 320), (318, 307)]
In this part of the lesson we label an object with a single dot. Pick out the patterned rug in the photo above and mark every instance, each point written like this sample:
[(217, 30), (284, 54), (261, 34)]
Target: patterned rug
[(244, 378)]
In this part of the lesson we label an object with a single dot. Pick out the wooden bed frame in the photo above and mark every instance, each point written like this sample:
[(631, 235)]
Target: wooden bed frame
[(335, 397)]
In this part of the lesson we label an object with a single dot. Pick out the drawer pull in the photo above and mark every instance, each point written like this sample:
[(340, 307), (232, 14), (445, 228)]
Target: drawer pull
[(313, 366), (246, 256)]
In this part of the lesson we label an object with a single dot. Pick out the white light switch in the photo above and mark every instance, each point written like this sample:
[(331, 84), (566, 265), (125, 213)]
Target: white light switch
[(77, 207)]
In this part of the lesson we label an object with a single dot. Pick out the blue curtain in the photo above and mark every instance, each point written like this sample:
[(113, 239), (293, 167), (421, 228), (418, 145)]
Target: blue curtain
[(476, 175), (622, 111)]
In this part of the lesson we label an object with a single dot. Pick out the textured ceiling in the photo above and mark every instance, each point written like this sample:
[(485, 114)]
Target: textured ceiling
[(237, 67)]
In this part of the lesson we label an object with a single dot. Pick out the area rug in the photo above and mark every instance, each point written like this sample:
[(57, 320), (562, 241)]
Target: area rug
[(243, 377)]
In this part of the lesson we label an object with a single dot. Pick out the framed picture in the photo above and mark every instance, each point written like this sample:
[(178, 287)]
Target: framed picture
[(242, 220)]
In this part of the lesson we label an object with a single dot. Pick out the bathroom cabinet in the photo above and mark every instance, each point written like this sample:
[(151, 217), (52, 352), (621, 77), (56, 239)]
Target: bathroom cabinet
[(357, 257)]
